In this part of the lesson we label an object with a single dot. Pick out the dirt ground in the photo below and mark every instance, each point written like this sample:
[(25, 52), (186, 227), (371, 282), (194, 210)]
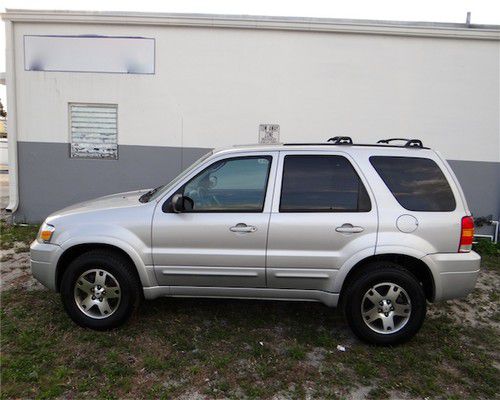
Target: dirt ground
[(14, 260), (15, 270)]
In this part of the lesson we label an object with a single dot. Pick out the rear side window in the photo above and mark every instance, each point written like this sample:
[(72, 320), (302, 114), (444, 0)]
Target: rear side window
[(418, 184), (322, 184)]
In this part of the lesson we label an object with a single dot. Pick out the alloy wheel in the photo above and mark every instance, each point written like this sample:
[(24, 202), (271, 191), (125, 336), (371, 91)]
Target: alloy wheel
[(97, 293), (386, 308)]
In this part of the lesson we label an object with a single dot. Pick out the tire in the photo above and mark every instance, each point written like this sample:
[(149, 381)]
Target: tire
[(100, 290), (403, 303)]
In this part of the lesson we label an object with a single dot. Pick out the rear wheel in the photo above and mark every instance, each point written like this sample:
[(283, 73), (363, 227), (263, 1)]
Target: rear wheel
[(385, 304), (100, 290)]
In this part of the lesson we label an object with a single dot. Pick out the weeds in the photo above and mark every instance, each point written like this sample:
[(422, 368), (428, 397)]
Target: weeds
[(12, 234)]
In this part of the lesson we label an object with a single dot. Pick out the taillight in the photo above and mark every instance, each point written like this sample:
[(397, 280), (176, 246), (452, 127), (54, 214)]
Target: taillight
[(466, 235)]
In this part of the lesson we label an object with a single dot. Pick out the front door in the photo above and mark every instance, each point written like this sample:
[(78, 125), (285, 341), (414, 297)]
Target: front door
[(221, 242), (322, 215)]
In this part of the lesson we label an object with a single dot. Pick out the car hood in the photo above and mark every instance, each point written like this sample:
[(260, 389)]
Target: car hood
[(114, 201)]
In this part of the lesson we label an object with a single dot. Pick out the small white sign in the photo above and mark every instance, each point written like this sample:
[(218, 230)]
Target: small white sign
[(269, 133)]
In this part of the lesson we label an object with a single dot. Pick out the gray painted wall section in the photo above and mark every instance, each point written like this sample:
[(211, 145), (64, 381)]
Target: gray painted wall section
[(480, 182), (50, 180)]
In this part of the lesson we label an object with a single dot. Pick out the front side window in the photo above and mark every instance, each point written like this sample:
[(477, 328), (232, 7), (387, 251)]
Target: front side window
[(231, 185), (322, 183), (418, 184)]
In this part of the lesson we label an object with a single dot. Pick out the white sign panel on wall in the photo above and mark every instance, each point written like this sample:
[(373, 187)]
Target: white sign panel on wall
[(269, 133), (107, 54)]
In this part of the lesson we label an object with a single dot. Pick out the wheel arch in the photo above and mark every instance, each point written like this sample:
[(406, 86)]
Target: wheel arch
[(419, 269), (74, 251)]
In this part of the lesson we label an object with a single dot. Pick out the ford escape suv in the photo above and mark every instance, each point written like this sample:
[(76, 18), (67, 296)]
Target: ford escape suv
[(378, 230)]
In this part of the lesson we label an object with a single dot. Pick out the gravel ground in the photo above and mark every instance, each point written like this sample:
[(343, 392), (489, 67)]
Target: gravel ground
[(480, 308), (14, 261), (15, 270)]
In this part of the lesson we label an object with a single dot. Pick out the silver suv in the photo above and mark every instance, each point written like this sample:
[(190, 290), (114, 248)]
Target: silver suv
[(376, 229)]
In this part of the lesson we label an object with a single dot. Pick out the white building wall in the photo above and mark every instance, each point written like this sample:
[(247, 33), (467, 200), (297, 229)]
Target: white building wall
[(217, 78), (213, 87)]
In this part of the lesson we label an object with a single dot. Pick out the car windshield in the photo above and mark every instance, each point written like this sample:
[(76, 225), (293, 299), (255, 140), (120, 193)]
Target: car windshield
[(157, 192)]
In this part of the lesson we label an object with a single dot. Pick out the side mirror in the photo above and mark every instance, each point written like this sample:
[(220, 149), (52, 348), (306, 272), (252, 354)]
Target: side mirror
[(181, 203)]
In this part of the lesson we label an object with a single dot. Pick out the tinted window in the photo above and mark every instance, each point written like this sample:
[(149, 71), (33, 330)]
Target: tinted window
[(322, 184), (418, 184), (237, 184)]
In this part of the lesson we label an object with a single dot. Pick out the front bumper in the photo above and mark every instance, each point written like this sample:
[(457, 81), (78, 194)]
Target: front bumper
[(455, 274), (44, 263)]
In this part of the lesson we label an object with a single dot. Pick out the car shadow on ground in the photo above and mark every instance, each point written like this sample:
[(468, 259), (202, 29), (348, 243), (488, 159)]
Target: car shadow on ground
[(298, 318)]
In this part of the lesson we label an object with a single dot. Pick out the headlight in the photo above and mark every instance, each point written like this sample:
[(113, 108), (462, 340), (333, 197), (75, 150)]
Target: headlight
[(45, 233)]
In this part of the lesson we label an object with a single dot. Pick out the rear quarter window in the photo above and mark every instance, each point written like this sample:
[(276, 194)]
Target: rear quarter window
[(418, 184)]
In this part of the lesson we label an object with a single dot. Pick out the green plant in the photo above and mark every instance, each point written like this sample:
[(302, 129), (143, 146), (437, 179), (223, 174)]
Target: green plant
[(10, 234), (487, 247)]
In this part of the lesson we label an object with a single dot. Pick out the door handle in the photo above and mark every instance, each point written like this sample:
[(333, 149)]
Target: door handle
[(243, 228), (349, 228)]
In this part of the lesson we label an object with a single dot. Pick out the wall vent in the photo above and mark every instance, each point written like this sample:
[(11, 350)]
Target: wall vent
[(93, 130)]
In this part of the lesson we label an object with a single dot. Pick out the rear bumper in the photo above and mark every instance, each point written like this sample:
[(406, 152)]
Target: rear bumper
[(44, 263), (455, 274)]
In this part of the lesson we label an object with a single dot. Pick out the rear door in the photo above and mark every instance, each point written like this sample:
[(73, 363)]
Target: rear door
[(323, 213)]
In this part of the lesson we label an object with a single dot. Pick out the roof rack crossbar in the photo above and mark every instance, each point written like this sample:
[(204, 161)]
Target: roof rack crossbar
[(409, 142), (340, 140)]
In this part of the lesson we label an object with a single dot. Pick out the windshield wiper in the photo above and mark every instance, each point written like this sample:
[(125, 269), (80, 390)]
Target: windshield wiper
[(147, 196)]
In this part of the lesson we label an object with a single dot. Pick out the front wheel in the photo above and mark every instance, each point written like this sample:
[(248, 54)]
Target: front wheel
[(385, 304), (100, 290)]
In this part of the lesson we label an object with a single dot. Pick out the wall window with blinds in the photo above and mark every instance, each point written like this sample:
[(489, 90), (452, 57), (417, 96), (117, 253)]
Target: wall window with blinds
[(93, 131)]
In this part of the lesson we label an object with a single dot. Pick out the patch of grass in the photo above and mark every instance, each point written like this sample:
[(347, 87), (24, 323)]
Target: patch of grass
[(491, 263), (490, 254), (496, 317), (494, 296), (153, 363), (486, 247), (10, 234), (213, 348), (297, 352), (378, 393)]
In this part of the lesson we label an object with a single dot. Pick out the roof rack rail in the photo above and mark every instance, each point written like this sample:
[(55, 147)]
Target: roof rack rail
[(409, 142), (340, 140), (346, 140)]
